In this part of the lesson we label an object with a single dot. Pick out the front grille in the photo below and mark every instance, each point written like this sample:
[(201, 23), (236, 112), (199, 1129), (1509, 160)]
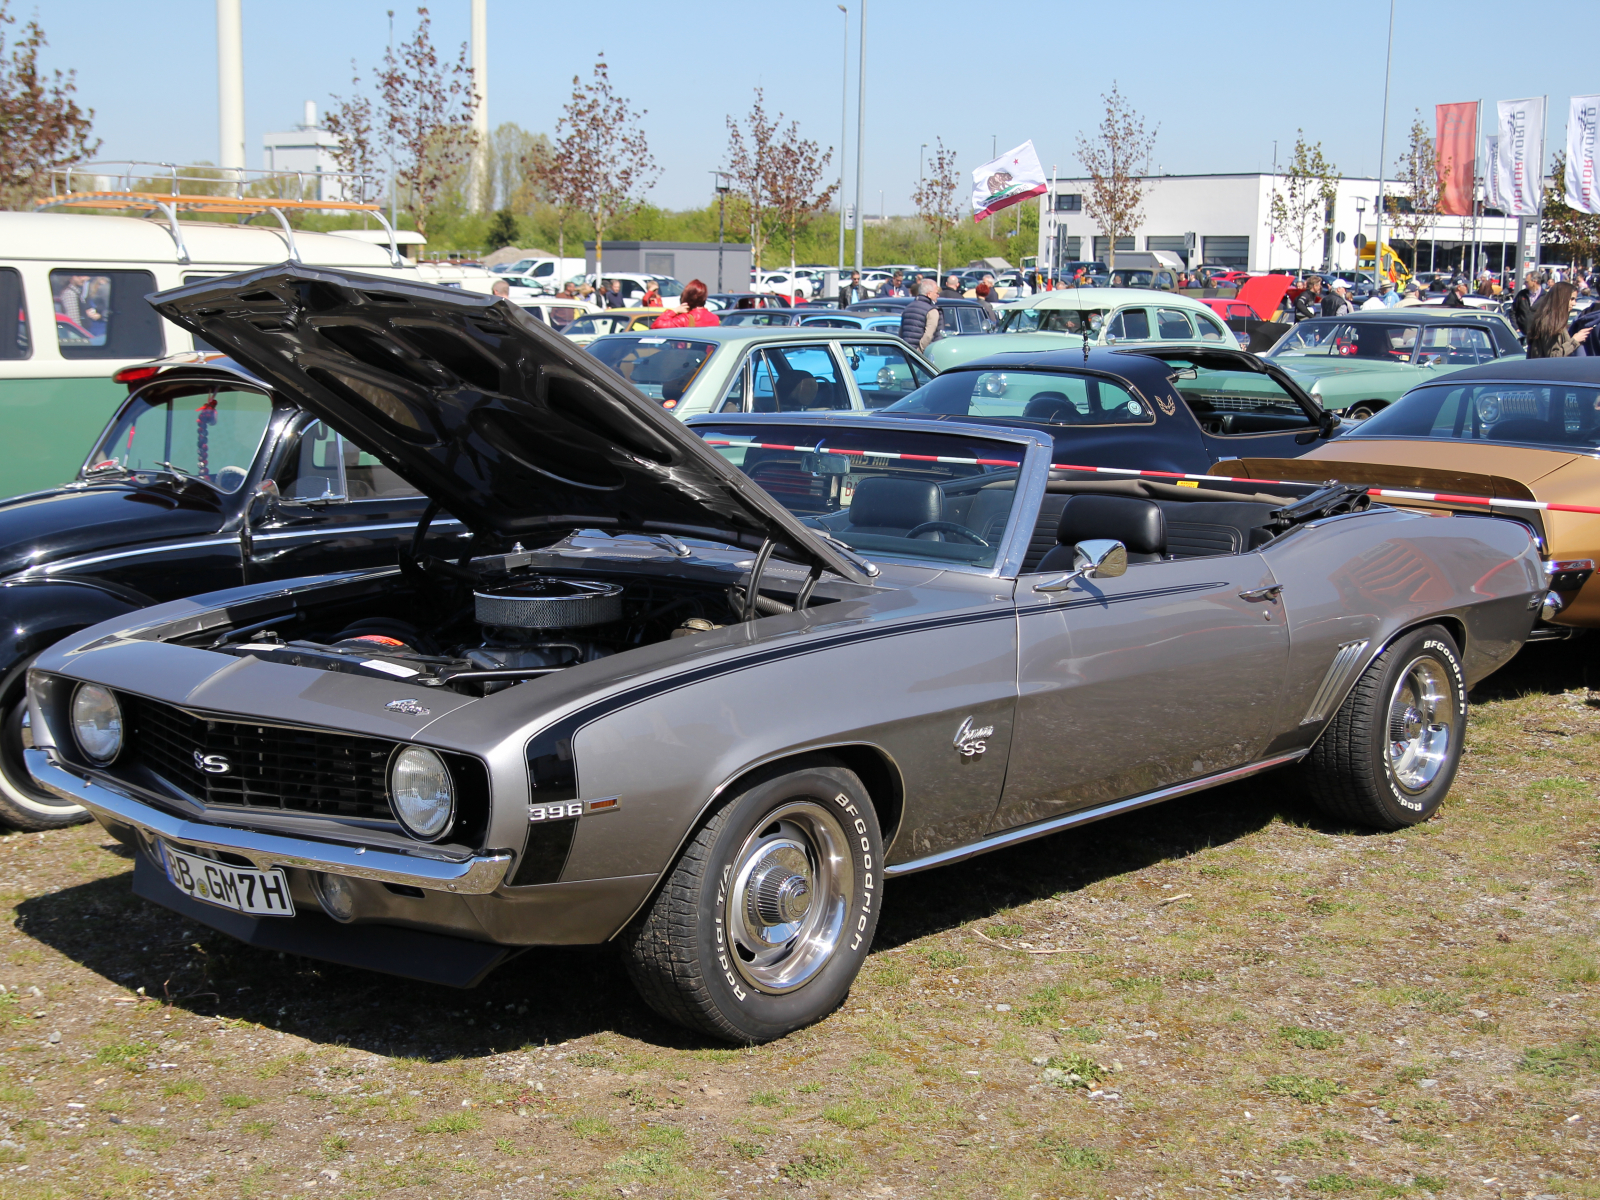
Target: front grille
[(268, 766)]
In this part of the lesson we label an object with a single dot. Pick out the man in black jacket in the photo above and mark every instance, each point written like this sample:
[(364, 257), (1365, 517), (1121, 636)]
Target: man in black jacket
[(1522, 306), (1308, 303), (853, 292), (1453, 298), (952, 288)]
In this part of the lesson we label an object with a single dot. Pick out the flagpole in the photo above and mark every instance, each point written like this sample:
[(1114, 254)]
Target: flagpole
[(861, 129), (1383, 150)]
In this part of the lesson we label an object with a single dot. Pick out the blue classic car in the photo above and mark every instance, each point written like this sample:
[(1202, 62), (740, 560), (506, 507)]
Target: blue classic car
[(1161, 408)]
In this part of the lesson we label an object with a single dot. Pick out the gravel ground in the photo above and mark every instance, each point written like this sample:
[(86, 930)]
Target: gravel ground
[(1224, 995)]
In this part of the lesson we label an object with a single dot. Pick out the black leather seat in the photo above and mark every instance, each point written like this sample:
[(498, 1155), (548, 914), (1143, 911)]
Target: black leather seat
[(892, 506), (1139, 525), (1050, 406)]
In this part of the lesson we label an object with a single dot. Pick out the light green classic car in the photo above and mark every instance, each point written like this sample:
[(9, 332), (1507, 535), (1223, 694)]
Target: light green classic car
[(1364, 361), (765, 368), (1109, 316)]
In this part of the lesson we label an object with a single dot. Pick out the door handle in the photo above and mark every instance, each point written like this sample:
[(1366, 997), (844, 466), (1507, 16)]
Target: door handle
[(1271, 592)]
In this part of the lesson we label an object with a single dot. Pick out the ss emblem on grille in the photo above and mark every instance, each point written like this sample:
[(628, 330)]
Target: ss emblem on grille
[(212, 764)]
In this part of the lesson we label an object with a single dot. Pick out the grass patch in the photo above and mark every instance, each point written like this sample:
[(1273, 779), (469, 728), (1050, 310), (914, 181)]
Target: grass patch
[(259, 1128), (1307, 1089), (851, 1114), (127, 1055), (946, 960), (1078, 1158), (238, 1100), (1310, 1039), (817, 1162), (1421, 1137), (183, 1087), (746, 1149), (1430, 1183), (1336, 1184), (1006, 931), (591, 1127), (335, 1145), (464, 1121), (591, 1058), (1073, 1070), (1569, 1058), (766, 1099), (1300, 1147)]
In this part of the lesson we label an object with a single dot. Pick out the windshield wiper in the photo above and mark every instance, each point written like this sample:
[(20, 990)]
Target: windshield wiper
[(183, 477), (105, 469)]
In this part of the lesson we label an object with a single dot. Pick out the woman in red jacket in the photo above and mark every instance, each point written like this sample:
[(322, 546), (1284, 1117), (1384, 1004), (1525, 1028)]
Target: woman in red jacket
[(691, 309)]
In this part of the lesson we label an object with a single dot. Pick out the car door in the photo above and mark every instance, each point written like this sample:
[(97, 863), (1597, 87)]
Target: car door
[(339, 509), (1128, 325), (1130, 685), (801, 377), (883, 372)]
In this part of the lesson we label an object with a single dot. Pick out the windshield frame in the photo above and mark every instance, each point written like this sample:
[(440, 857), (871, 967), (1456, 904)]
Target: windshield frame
[(1358, 433), (277, 416), (1278, 351), (1034, 474)]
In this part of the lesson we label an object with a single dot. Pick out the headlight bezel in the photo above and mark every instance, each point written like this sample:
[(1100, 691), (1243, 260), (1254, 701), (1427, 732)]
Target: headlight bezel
[(117, 717), (417, 830)]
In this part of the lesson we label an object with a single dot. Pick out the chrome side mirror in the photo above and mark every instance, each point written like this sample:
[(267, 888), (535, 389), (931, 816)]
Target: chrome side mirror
[(1096, 558), (266, 490)]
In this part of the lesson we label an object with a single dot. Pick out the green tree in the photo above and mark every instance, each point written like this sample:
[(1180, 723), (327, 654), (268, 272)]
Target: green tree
[(1117, 158), (1302, 201)]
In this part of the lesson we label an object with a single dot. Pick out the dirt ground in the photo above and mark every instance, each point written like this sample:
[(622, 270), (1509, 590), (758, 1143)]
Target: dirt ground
[(1225, 995)]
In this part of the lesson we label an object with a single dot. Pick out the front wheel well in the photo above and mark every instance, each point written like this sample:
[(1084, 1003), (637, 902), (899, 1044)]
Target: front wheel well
[(877, 772)]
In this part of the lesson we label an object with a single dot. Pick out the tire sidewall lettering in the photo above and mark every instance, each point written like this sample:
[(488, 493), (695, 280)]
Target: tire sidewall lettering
[(1419, 804)]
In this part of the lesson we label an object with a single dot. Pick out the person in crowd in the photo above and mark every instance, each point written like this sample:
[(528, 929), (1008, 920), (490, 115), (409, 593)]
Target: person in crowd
[(919, 323), (569, 290), (985, 294), (1379, 298), (895, 285), (690, 310), (853, 292), (1547, 324), (1337, 303), (952, 288), (652, 296), (1522, 306), (1456, 296), (1413, 295), (73, 302), (1308, 303), (501, 288), (614, 297)]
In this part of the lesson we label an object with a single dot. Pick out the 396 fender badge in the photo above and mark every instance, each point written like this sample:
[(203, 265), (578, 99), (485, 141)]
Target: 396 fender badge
[(970, 742), (410, 707)]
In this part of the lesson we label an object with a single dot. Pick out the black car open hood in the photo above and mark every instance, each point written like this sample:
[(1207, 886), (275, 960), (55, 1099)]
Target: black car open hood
[(510, 427)]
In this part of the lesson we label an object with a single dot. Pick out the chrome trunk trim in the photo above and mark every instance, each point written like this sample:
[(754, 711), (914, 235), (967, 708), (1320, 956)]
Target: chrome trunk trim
[(1344, 664), (1026, 833), (469, 877)]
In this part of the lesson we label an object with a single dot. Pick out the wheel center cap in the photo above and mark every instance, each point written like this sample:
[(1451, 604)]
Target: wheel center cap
[(780, 888)]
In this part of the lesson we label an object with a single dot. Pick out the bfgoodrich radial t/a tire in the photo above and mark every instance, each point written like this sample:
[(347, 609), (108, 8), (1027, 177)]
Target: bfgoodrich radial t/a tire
[(765, 919), (1390, 753), (23, 804)]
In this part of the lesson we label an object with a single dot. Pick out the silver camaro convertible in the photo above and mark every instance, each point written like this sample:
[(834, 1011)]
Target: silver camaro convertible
[(701, 689)]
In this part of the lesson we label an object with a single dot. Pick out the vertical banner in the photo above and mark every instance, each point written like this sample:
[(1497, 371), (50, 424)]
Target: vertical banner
[(1456, 142), (1583, 186), (1521, 154), (1491, 174), (1008, 180)]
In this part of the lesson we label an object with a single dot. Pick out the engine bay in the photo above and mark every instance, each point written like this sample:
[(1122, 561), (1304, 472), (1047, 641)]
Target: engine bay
[(484, 627)]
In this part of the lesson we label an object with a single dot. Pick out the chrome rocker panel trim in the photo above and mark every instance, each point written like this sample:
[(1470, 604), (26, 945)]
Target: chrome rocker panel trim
[(472, 877), (1026, 833)]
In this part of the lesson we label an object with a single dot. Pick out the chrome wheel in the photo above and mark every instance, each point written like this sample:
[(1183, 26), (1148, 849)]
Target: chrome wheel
[(1421, 716), (785, 908)]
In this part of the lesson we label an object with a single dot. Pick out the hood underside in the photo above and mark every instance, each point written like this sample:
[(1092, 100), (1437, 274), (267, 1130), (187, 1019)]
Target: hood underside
[(510, 427)]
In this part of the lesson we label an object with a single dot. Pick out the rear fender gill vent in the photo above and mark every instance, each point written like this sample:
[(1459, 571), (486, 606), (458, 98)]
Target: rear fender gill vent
[(1345, 662)]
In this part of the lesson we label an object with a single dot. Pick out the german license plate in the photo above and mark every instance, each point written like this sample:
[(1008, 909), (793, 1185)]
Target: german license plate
[(243, 889)]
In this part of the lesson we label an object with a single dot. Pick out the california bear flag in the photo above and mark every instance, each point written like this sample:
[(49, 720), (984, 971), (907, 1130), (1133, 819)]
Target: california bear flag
[(1008, 180)]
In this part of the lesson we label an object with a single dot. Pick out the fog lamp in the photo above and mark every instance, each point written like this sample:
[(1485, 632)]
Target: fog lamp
[(336, 895), (96, 722), (420, 792)]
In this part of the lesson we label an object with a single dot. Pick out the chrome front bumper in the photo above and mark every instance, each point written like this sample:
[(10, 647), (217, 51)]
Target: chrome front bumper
[(471, 877)]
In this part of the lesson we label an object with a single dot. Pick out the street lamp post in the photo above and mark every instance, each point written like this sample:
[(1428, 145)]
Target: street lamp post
[(920, 154), (723, 187), (861, 130), (1383, 149), (844, 124)]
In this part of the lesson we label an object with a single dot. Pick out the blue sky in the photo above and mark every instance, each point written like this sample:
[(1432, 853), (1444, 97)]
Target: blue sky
[(1222, 80)]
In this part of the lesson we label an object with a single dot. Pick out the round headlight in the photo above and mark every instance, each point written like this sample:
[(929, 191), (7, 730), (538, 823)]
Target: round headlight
[(421, 793), (96, 722)]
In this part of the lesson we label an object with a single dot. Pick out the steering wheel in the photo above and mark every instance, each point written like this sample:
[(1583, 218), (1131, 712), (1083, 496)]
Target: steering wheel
[(960, 531)]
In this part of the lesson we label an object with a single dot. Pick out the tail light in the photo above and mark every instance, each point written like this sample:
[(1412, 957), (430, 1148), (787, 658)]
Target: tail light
[(134, 374)]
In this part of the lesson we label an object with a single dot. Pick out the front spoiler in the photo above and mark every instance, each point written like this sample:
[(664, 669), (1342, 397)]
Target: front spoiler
[(475, 876)]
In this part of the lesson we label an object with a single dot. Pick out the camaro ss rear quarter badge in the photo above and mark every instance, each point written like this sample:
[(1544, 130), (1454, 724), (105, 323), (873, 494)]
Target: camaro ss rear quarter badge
[(971, 742), (212, 764), (410, 707)]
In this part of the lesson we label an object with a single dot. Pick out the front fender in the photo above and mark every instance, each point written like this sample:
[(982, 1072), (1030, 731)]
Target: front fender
[(35, 613)]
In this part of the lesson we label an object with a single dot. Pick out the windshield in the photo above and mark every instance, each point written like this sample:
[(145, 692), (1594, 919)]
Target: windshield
[(209, 433), (660, 367), (1054, 397), (1528, 414), (1051, 320), (927, 497), (1371, 341), (668, 286)]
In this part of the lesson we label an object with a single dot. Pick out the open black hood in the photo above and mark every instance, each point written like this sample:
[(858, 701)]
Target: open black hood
[(510, 427)]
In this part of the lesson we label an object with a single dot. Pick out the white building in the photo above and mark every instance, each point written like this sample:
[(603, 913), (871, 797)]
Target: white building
[(1228, 217), (308, 148)]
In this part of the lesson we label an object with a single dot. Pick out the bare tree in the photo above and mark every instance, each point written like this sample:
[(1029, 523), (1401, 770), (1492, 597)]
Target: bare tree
[(750, 155), (605, 153), (1116, 157), (1300, 206), (935, 197), (427, 118), (350, 120), (1418, 171), (795, 169), (555, 171), (41, 125)]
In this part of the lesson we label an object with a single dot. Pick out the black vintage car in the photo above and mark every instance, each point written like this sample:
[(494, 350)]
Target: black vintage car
[(1162, 408), (204, 479)]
